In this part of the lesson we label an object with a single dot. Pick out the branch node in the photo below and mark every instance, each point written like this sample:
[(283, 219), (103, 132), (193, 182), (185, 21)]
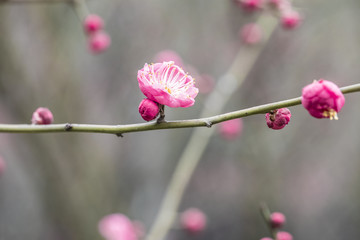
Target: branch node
[(119, 135), (208, 124), (68, 127)]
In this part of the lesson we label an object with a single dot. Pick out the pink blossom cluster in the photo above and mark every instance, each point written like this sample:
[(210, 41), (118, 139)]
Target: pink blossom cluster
[(288, 16), (98, 39), (277, 221), (193, 220), (323, 99), (165, 84)]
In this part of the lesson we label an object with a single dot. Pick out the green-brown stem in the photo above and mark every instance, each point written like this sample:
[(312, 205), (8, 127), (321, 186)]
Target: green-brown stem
[(140, 127), (266, 214)]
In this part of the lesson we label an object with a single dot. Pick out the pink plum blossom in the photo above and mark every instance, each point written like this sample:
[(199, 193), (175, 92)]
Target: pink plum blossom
[(250, 33), (284, 236), (42, 116), (167, 84), (148, 109), (99, 42), (169, 55), (193, 220), (277, 219), (93, 23), (323, 99), (290, 19), (117, 227), (231, 129), (278, 118)]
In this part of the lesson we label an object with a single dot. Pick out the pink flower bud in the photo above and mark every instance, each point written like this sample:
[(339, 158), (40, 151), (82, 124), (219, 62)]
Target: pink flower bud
[(323, 99), (277, 220), (278, 118), (250, 33), (148, 109), (193, 220), (231, 129), (290, 19), (250, 5), (284, 236), (117, 227), (42, 116), (93, 23), (99, 42), (266, 238)]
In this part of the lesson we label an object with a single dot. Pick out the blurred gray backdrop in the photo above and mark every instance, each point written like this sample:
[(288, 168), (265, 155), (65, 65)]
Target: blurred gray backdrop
[(58, 186)]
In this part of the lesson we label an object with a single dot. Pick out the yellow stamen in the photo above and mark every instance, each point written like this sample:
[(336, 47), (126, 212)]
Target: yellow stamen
[(331, 114)]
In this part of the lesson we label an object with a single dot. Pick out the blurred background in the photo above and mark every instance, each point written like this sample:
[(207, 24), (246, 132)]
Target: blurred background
[(58, 186)]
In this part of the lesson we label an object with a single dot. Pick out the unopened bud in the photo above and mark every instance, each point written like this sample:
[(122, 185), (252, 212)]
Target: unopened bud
[(42, 116)]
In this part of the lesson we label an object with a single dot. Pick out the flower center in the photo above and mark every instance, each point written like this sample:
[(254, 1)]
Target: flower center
[(330, 114)]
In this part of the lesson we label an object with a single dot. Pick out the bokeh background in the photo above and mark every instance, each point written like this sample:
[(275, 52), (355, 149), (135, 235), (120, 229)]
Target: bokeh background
[(58, 186)]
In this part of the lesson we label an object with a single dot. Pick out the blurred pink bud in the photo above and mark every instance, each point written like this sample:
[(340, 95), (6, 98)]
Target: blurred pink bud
[(148, 109), (290, 19), (167, 56), (93, 23), (193, 220), (167, 84), (117, 227), (277, 220), (99, 42), (2, 165), (284, 236), (205, 83), (250, 5), (42, 116), (251, 33), (266, 238), (231, 129), (278, 118), (323, 99)]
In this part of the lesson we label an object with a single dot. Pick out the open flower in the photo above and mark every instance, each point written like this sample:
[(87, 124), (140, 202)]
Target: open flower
[(167, 84), (323, 99)]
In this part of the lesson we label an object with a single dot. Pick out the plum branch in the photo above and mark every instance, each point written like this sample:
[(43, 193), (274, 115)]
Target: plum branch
[(140, 127)]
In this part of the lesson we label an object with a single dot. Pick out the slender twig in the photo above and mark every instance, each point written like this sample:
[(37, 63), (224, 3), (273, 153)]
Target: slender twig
[(140, 127), (265, 213)]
